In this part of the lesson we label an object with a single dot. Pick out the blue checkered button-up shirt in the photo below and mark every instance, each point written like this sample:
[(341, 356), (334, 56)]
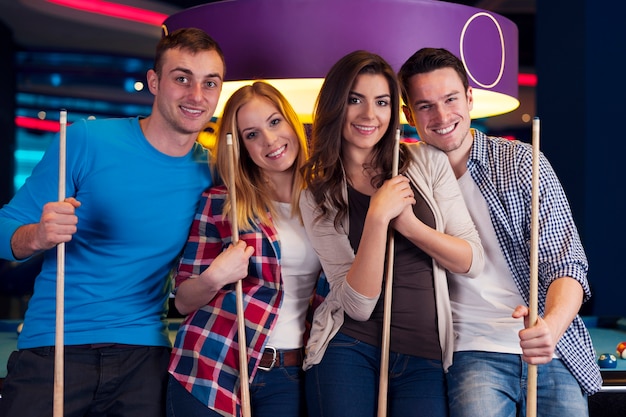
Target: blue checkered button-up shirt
[(502, 170)]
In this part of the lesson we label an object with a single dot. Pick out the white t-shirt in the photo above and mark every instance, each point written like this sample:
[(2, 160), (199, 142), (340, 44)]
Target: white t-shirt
[(300, 268), (482, 306)]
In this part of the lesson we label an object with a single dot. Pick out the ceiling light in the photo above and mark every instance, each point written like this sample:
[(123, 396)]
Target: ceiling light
[(293, 44)]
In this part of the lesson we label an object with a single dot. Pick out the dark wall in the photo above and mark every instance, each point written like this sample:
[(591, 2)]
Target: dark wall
[(581, 103), (7, 113)]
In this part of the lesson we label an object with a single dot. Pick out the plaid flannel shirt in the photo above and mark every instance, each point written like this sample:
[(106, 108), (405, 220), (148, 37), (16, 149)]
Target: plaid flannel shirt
[(502, 170), (205, 357)]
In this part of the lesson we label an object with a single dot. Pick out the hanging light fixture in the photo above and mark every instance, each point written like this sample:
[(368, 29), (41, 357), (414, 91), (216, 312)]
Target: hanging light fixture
[(293, 43)]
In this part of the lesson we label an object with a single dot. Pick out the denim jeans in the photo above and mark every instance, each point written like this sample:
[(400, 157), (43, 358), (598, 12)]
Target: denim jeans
[(275, 393), (494, 384), (345, 383)]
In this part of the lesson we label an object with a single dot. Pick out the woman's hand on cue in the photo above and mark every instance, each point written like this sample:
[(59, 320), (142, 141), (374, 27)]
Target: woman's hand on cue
[(230, 266)]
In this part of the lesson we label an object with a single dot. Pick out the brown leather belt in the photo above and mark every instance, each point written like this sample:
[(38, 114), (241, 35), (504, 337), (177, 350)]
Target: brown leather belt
[(273, 357)]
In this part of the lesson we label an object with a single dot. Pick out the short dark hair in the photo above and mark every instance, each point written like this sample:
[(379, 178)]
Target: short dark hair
[(427, 60), (190, 39)]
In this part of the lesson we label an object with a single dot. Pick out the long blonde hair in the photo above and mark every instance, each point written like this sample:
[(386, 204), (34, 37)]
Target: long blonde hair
[(252, 192)]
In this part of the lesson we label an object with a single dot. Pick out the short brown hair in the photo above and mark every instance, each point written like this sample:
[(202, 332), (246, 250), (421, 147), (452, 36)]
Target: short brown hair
[(427, 60), (190, 39)]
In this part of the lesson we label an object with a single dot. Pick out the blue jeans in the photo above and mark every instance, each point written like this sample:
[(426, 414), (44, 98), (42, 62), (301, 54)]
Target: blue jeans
[(345, 383), (494, 384), (275, 393)]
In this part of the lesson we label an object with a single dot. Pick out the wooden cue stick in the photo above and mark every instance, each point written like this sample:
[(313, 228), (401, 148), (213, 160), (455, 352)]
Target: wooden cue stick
[(241, 324), (531, 395), (59, 342), (384, 348)]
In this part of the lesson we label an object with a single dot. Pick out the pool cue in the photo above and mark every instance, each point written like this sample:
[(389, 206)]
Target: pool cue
[(384, 348), (241, 324), (531, 390), (59, 342)]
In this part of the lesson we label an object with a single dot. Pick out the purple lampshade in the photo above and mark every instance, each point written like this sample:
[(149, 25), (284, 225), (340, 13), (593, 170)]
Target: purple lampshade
[(302, 39)]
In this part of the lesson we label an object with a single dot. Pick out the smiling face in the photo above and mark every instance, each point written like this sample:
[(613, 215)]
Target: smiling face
[(187, 89), (268, 137), (368, 112), (440, 110)]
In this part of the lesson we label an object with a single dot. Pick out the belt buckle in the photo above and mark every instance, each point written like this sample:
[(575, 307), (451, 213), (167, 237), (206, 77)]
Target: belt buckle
[(274, 357)]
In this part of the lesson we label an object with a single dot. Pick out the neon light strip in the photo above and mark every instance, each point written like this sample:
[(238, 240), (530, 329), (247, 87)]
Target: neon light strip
[(116, 10), (29, 156), (527, 80), (37, 124)]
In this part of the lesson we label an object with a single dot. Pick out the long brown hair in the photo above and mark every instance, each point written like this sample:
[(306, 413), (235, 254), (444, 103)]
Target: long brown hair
[(323, 173), (252, 191)]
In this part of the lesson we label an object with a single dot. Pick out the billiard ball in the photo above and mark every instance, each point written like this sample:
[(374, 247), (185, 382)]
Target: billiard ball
[(621, 350), (607, 360), (19, 328)]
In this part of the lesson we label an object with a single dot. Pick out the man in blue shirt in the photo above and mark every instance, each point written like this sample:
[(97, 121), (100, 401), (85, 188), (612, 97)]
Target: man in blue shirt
[(133, 186), (494, 342)]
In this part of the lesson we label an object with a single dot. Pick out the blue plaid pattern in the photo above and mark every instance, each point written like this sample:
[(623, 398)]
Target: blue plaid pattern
[(502, 170)]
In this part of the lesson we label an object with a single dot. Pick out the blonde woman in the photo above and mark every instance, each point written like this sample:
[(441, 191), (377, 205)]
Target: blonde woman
[(273, 256)]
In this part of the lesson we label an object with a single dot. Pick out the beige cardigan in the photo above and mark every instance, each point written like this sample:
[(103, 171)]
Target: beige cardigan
[(431, 174)]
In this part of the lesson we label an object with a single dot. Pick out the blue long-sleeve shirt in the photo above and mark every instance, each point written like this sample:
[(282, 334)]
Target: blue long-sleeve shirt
[(137, 205)]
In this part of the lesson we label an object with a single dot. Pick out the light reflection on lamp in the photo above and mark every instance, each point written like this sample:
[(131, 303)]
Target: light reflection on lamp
[(293, 43)]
